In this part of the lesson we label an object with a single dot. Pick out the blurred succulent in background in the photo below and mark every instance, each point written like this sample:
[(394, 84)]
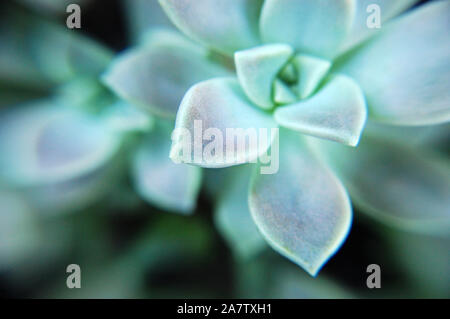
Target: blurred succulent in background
[(312, 68), (69, 147), (66, 142)]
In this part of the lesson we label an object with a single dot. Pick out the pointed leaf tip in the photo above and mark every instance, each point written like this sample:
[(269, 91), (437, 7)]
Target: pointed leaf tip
[(303, 211)]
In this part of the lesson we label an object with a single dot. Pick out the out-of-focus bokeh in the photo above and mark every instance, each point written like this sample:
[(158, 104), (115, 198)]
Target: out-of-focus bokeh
[(72, 199)]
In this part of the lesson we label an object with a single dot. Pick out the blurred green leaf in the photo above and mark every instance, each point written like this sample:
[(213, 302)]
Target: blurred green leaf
[(26, 59), (395, 184), (232, 215), (159, 180), (156, 75)]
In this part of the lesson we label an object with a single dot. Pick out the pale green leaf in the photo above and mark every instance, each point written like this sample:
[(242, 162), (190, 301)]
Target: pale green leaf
[(316, 27), (225, 25), (337, 112), (232, 215), (404, 70), (394, 184), (45, 143), (161, 182), (214, 113), (156, 75), (303, 211)]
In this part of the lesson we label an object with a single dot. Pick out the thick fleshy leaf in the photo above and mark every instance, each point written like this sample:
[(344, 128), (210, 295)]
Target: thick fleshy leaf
[(337, 112), (47, 143), (364, 12), (161, 182), (156, 76), (257, 68), (226, 25), (404, 70), (219, 108), (232, 215), (315, 27), (303, 211), (58, 159), (311, 71), (394, 184)]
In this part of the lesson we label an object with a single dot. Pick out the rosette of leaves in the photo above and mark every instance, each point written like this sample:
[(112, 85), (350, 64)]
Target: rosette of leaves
[(65, 150), (323, 66), (316, 71), (53, 152), (66, 140)]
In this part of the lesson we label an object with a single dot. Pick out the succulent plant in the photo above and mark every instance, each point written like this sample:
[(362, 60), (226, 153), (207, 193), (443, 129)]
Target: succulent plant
[(312, 68), (358, 114)]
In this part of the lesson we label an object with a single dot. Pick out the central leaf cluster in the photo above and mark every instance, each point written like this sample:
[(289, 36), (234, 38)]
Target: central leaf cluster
[(273, 75), (300, 78)]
